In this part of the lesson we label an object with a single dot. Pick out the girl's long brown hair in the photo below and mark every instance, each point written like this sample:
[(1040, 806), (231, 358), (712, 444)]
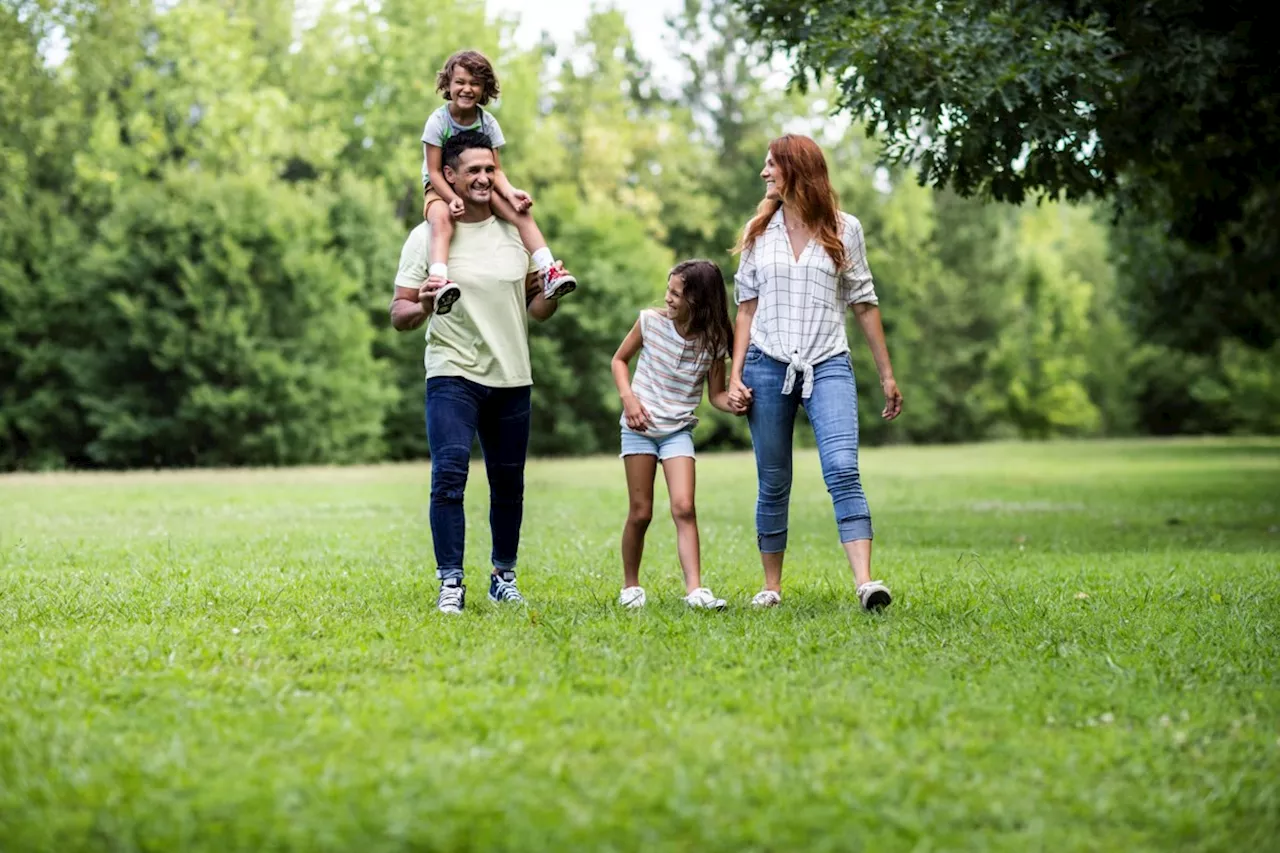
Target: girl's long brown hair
[(708, 306), (800, 173)]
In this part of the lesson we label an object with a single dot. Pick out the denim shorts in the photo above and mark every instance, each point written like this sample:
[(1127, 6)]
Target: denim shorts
[(678, 443)]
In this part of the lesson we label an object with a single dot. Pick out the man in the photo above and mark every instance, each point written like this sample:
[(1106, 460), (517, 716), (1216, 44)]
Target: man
[(477, 363)]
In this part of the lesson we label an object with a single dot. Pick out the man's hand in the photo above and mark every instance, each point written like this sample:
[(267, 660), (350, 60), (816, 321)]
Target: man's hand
[(638, 417), (427, 292), (457, 207), (520, 200), (892, 399)]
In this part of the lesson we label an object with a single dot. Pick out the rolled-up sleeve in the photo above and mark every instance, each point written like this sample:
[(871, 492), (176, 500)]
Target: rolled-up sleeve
[(745, 283), (856, 285)]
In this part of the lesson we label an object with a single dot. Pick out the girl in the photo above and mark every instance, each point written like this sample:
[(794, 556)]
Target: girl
[(468, 83), (804, 264), (679, 348)]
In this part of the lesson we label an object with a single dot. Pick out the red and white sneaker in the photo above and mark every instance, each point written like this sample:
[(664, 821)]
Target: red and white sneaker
[(445, 297), (557, 282)]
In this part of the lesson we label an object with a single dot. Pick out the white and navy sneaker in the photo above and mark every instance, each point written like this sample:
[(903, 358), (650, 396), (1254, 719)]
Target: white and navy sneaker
[(453, 596), (704, 599), (632, 597), (874, 595), (445, 297), (503, 590)]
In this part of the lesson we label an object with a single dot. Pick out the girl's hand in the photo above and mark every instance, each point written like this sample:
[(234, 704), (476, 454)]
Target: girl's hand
[(637, 415), (520, 200), (892, 399), (457, 207), (739, 396)]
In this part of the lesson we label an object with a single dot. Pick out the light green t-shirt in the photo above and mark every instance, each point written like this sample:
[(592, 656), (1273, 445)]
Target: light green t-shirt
[(485, 338)]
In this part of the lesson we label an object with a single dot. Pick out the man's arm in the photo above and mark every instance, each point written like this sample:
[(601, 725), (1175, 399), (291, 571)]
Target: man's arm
[(540, 307), (411, 308)]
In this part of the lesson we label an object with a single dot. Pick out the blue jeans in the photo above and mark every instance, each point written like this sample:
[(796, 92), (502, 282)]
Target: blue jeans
[(833, 411), (457, 410)]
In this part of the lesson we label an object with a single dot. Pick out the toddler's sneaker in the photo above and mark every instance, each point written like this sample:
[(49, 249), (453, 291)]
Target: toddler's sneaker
[(503, 590), (445, 297), (632, 596), (703, 599), (557, 282), (453, 596), (766, 598), (874, 595)]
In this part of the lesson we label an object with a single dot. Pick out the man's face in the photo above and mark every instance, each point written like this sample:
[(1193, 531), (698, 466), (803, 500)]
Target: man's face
[(473, 177)]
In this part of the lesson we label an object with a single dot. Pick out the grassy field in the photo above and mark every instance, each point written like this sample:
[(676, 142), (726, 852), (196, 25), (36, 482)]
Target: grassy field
[(1084, 654)]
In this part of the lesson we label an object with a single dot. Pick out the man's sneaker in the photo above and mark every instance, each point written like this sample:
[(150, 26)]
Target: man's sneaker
[(502, 588), (632, 596), (557, 282), (874, 595), (453, 596), (445, 297), (766, 598), (703, 599)]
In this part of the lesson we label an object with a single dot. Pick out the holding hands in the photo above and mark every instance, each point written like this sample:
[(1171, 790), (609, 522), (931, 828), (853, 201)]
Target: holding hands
[(739, 396)]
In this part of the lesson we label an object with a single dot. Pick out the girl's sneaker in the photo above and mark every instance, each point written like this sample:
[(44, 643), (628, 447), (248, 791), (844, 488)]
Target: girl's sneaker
[(558, 282), (632, 596), (766, 598), (453, 596), (445, 297), (703, 599), (874, 595)]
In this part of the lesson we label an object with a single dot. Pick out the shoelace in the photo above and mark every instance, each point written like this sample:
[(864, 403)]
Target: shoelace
[(507, 591), (450, 595)]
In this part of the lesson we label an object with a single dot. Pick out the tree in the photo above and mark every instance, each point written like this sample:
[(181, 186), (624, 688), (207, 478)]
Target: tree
[(1172, 109)]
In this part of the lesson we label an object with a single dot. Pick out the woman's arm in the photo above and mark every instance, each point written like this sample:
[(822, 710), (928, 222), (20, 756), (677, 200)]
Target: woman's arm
[(868, 314), (739, 393)]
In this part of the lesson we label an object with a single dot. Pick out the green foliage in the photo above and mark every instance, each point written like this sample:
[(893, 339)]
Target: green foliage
[(227, 331), (1170, 108), (203, 205)]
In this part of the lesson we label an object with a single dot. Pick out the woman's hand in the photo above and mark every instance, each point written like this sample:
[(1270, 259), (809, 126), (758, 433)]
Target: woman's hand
[(638, 418), (892, 399)]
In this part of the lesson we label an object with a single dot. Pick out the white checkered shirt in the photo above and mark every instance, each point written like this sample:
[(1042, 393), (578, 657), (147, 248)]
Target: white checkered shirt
[(800, 316)]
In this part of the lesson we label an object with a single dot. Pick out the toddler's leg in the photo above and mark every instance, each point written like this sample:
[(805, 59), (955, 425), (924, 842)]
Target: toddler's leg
[(556, 280), (438, 252)]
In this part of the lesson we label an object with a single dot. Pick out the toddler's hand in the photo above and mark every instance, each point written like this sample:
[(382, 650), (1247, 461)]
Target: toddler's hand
[(520, 200), (457, 208)]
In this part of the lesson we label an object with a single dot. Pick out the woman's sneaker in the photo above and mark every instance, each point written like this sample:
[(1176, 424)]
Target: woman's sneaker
[(632, 596), (703, 599), (874, 595), (445, 297), (453, 596), (557, 282), (766, 598), (503, 590)]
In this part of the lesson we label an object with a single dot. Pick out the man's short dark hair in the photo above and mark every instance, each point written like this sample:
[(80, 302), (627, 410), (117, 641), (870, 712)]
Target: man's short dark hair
[(451, 154)]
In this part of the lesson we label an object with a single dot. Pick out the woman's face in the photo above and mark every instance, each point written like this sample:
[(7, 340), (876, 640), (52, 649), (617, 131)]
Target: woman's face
[(772, 178)]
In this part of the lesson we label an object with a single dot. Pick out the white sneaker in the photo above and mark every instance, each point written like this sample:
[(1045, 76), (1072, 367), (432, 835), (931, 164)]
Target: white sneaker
[(453, 597), (632, 596), (874, 595), (766, 598), (703, 599)]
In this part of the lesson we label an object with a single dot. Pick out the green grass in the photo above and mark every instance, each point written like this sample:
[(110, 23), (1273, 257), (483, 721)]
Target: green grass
[(251, 661)]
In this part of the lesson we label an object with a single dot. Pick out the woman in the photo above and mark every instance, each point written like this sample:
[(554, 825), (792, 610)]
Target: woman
[(803, 261)]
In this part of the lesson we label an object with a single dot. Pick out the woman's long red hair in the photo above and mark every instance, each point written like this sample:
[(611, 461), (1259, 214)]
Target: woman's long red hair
[(800, 173)]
